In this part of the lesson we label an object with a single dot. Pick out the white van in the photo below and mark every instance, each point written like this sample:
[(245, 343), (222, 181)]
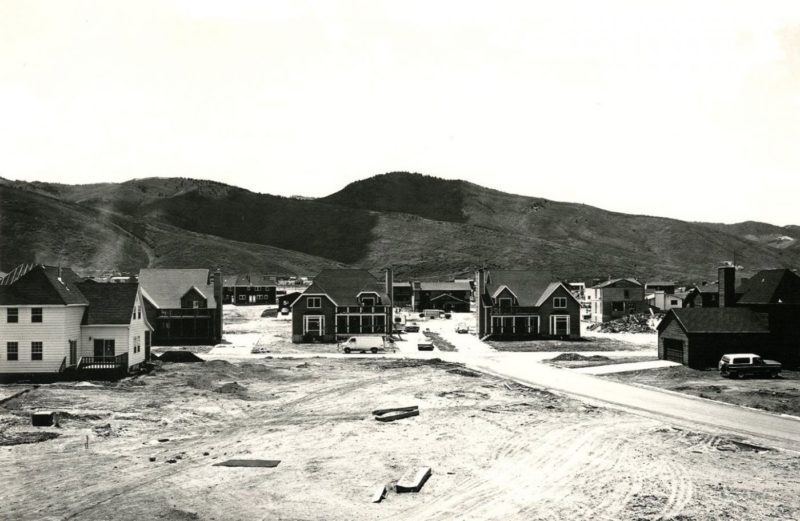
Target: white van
[(364, 343)]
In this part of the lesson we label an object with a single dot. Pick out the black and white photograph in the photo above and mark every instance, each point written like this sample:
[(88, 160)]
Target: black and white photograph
[(354, 260)]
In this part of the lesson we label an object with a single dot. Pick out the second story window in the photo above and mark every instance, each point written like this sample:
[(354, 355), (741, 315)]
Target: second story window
[(627, 294), (368, 301), (560, 302), (12, 316), (36, 314), (314, 302), (505, 302)]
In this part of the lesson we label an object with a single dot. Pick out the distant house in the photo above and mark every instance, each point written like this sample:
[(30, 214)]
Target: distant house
[(445, 296), (518, 304), (342, 302), (250, 288), (616, 298), (706, 296), (53, 324), (761, 316), (664, 301), (183, 305), (652, 286)]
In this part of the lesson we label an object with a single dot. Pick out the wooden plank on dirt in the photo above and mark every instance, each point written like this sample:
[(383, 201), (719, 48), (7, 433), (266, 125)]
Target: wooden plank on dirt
[(377, 412), (269, 463), (392, 416), (413, 479), (379, 494)]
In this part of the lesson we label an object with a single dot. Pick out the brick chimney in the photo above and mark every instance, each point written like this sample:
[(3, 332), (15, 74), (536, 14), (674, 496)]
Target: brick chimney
[(217, 278), (389, 281), (727, 285), (482, 326)]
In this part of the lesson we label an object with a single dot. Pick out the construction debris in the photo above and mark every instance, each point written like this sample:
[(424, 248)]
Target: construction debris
[(180, 357), (635, 323), (396, 413), (413, 480), (268, 463)]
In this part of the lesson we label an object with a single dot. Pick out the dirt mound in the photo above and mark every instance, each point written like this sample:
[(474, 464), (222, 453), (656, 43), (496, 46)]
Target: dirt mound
[(21, 438), (180, 357), (576, 357), (231, 388), (270, 313), (218, 364)]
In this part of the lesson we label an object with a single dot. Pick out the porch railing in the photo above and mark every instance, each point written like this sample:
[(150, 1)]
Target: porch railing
[(104, 362), (514, 310), (361, 309)]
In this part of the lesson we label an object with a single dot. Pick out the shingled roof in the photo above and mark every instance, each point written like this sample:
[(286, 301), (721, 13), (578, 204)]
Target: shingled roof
[(109, 304), (250, 279), (716, 320), (530, 287), (45, 285), (780, 286), (445, 286), (344, 285), (165, 287)]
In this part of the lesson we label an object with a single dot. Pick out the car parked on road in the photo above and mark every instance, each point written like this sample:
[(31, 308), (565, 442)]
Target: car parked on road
[(371, 343), (462, 328), (412, 328), (740, 365), (425, 346)]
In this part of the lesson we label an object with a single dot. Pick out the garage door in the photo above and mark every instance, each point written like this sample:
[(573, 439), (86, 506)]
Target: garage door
[(673, 350)]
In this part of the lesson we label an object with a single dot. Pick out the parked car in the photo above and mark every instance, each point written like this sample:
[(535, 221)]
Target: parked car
[(425, 346), (259, 349), (412, 328), (371, 343), (462, 328), (743, 364)]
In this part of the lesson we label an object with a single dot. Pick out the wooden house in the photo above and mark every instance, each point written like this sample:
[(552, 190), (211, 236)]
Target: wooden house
[(616, 298), (342, 302), (249, 289), (518, 304), (445, 296), (761, 316), (54, 324), (183, 305)]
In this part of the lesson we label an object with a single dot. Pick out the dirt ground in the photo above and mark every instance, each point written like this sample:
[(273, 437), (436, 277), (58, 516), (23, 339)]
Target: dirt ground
[(497, 450), (577, 360), (780, 395), (605, 343)]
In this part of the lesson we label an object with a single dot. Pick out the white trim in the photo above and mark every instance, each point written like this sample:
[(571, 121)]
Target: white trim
[(126, 326), (500, 290), (321, 318), (560, 285), (313, 295), (553, 323), (556, 306)]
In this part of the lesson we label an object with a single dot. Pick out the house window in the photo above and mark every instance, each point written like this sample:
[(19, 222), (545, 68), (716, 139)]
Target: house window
[(12, 351), (137, 344), (627, 294), (617, 306), (104, 348), (196, 304), (36, 350), (36, 314), (138, 312), (505, 302), (314, 302), (313, 325), (12, 316), (560, 302), (559, 325), (673, 302), (368, 301)]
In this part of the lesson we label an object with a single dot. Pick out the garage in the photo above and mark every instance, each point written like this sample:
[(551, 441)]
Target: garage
[(673, 350)]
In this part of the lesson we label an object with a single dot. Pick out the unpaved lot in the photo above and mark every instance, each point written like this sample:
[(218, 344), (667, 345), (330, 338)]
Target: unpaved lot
[(779, 395), (604, 343), (577, 360), (497, 450)]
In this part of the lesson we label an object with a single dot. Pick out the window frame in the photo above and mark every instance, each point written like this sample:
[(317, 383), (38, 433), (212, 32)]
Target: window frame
[(9, 315), (34, 352), (35, 315), (556, 300), (310, 300), (16, 351)]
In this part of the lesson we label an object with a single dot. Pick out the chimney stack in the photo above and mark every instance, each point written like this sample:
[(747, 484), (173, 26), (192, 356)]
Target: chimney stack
[(482, 326), (389, 281), (727, 285)]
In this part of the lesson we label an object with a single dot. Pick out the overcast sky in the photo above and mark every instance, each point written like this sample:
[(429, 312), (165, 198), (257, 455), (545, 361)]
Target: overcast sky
[(682, 109)]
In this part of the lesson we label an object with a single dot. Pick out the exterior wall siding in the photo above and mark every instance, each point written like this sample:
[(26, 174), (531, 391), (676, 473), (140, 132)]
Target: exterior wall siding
[(673, 331), (59, 324), (119, 334), (301, 309), (137, 327)]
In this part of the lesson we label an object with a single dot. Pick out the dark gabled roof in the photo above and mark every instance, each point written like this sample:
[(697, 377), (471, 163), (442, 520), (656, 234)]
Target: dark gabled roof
[(528, 286), (45, 285), (344, 285), (447, 296), (250, 279), (109, 303), (771, 287), (716, 320), (618, 282), (708, 288), (651, 283), (445, 286), (165, 287)]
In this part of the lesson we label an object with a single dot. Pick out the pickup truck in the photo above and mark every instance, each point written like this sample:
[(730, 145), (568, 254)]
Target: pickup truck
[(743, 364)]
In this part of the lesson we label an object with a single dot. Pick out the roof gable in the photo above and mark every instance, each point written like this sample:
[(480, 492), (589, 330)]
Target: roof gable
[(771, 287), (619, 283), (344, 285), (716, 320), (165, 287), (45, 285), (109, 303), (527, 285)]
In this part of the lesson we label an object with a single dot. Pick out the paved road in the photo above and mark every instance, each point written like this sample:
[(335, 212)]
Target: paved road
[(689, 412), (622, 368)]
